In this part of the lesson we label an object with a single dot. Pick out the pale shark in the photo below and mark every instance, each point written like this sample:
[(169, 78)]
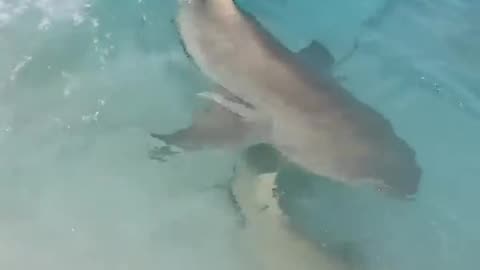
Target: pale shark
[(268, 94), (269, 235)]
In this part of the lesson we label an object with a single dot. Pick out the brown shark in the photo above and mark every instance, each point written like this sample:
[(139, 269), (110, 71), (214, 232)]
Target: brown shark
[(268, 94)]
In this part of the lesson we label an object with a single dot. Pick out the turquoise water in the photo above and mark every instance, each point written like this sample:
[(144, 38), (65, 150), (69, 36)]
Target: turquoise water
[(83, 82)]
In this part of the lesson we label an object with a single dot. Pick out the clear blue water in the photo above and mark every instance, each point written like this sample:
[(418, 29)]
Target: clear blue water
[(82, 82)]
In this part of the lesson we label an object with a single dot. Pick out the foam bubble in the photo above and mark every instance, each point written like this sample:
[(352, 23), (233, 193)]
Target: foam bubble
[(61, 9), (50, 10)]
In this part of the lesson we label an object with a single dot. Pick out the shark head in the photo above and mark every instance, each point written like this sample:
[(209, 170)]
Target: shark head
[(400, 172), (392, 165), (365, 146)]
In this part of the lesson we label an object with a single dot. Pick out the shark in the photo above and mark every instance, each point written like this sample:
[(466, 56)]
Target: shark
[(263, 92), (268, 233)]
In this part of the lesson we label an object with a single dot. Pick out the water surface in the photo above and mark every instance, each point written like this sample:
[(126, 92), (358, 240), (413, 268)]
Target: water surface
[(82, 83)]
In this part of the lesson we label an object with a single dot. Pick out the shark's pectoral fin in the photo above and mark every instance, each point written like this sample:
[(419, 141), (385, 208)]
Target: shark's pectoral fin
[(161, 153), (212, 127), (255, 121), (316, 56)]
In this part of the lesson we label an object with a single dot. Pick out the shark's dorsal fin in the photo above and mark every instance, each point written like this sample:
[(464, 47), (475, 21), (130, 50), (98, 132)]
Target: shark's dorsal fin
[(316, 56)]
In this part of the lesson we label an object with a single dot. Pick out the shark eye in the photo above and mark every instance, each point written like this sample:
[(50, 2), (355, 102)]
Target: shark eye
[(382, 188)]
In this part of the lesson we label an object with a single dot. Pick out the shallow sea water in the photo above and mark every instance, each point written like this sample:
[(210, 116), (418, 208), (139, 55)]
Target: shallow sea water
[(83, 82)]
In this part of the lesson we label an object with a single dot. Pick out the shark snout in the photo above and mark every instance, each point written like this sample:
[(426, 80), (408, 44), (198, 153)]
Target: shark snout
[(402, 178), (397, 194)]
